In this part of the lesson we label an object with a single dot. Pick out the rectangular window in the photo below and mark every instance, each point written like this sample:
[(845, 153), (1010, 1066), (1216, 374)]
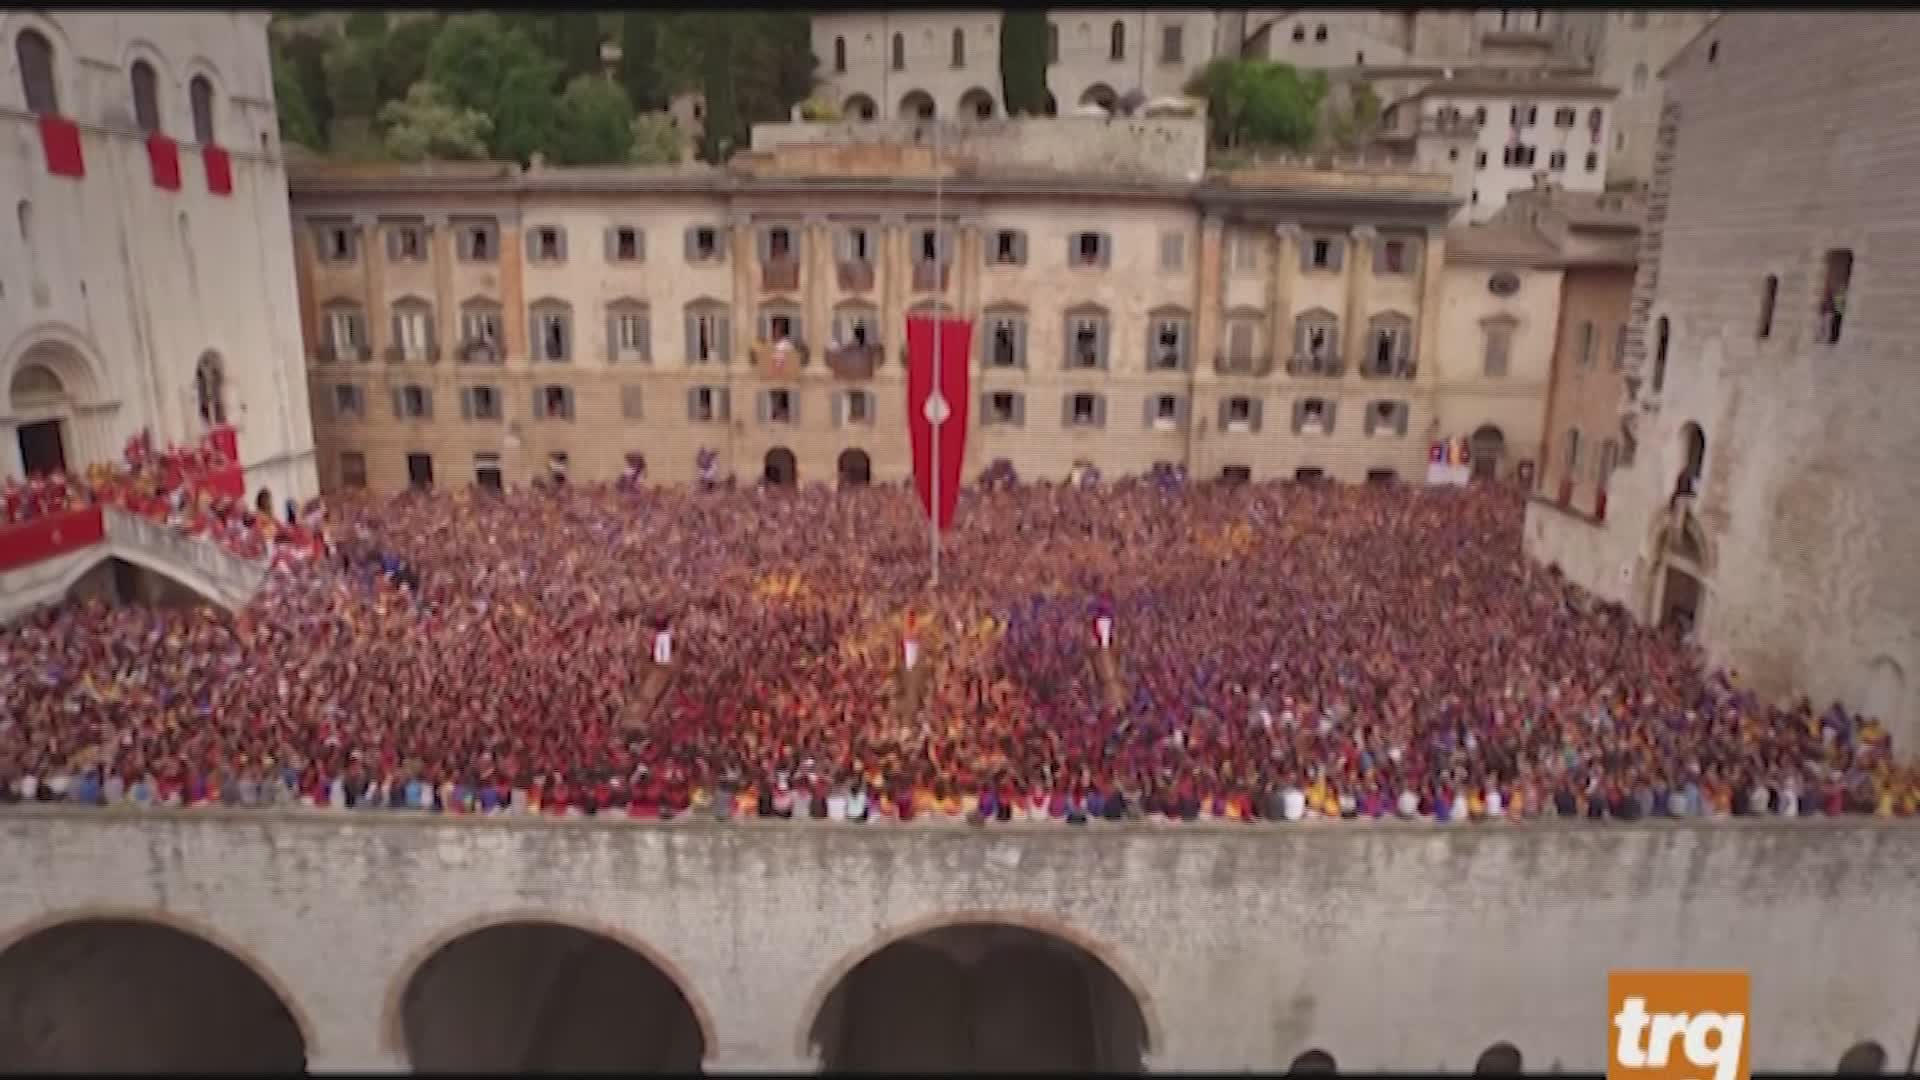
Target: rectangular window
[(1240, 338), (1172, 45), (777, 407), (1620, 347), (1088, 249), (626, 244), (779, 243), (1005, 342), (478, 324), (1498, 344), (632, 335), (343, 328), (1480, 159), (1003, 408), (486, 470), (348, 401), (1838, 278), (1393, 257), (337, 243), (1593, 161), (929, 248), (353, 469), (1083, 410), (483, 403), (1769, 293), (1083, 348), (1565, 118), (1166, 413), (414, 403), (1586, 344), (412, 333), (1322, 254), (1173, 250), (479, 243), (554, 343), (707, 404), (1239, 415), (553, 403), (1009, 248), (407, 243), (704, 244), (546, 246), (1246, 253), (859, 407), (708, 339), (1169, 345), (632, 403), (859, 246), (1557, 161)]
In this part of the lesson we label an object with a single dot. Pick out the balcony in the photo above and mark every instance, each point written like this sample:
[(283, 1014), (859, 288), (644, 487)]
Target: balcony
[(779, 358), (930, 276), (1255, 366), (1316, 366), (854, 361), (479, 351), (780, 274), (855, 276), (398, 354), (1398, 369)]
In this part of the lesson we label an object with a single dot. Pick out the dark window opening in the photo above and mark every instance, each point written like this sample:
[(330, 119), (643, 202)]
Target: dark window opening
[(1002, 407), (706, 242), (1117, 41), (626, 244), (1661, 338), (1322, 254), (1769, 292), (779, 243), (840, 54), (549, 243), (1833, 295)]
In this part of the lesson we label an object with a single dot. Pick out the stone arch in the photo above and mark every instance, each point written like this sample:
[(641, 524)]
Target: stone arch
[(1487, 447), (61, 349), (1042, 924), (975, 104), (1315, 1062), (1865, 1058), (17, 24), (186, 577), (393, 1034), (859, 107), (163, 930), (781, 469), (855, 467), (1099, 94), (917, 105), (1500, 1059)]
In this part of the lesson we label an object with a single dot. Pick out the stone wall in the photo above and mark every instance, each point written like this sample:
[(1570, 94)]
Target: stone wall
[(1388, 946), (1119, 148)]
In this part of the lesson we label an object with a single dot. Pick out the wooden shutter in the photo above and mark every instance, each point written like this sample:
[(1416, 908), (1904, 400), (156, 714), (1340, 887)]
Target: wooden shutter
[(1150, 413), (532, 239), (725, 410), (1106, 250), (1332, 408), (839, 409), (1101, 330), (1020, 410), (399, 404), (1258, 409), (613, 337), (692, 248), (611, 241), (393, 243), (1066, 410), (1306, 251), (1240, 340), (1173, 250), (1183, 411), (1403, 347), (1100, 410), (466, 403), (1221, 423), (693, 403), (763, 242), (1336, 253), (1020, 246), (693, 337)]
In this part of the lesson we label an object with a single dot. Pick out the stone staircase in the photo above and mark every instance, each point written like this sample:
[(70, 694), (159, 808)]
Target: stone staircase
[(206, 568)]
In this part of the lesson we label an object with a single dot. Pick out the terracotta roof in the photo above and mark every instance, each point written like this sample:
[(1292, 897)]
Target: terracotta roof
[(1500, 241)]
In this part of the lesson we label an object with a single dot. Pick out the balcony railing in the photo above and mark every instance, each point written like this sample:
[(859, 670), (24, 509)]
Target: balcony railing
[(854, 361), (772, 358), (1255, 366), (1399, 369), (1316, 366), (930, 276), (781, 273), (855, 276), (480, 351), (400, 354)]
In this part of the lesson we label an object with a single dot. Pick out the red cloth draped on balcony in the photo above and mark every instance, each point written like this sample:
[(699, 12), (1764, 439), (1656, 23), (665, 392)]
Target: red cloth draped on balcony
[(60, 140), (45, 537), (163, 160), (938, 411), (219, 170)]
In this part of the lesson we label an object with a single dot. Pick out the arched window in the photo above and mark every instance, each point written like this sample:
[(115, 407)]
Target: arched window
[(200, 94), (35, 55), (24, 213), (899, 52), (146, 97), (959, 47), (1117, 41), (209, 390), (1660, 338), (839, 54)]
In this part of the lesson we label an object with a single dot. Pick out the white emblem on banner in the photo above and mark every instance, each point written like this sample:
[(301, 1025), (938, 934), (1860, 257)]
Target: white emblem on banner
[(937, 410)]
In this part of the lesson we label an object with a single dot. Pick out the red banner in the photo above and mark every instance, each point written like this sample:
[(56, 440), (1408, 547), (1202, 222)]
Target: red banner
[(219, 170), (938, 411), (60, 139), (227, 441), (163, 158), (45, 537)]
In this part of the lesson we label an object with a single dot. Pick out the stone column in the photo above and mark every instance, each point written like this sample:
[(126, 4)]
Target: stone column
[(816, 299), (745, 307), (1433, 265), (1359, 286), (1209, 296), (373, 270), (1286, 272), (513, 292), (892, 272), (442, 254)]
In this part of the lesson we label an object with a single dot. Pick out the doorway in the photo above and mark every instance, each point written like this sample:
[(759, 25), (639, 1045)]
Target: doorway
[(1382, 477), (1309, 476), (781, 468), (856, 468), (1487, 446), (1236, 475), (43, 447), (1680, 600), (420, 470)]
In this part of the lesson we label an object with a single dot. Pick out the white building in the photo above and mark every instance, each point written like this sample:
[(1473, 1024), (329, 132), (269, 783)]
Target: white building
[(150, 283)]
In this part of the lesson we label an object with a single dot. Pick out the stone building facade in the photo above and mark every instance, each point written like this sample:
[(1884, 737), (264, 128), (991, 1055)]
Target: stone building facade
[(479, 323), (146, 272), (1768, 497)]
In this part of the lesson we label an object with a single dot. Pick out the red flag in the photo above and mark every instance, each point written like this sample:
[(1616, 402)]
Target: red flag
[(163, 159), (938, 412), (60, 139), (219, 170)]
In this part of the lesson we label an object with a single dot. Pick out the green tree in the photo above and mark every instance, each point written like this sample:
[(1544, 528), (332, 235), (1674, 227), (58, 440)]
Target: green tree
[(639, 73), (426, 125), (752, 66), (297, 122), (1354, 118), (656, 140), (303, 56), (594, 123), (1253, 103), (1023, 61), (525, 114), (476, 57), (366, 25), (353, 87), (403, 55)]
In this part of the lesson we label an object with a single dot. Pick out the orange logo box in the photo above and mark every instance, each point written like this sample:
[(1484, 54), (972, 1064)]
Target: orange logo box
[(1677, 1025)]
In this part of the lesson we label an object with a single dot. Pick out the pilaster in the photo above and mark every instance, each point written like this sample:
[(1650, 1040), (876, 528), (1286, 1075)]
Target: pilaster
[(1433, 265), (373, 269), (1286, 273), (446, 306), (1359, 287), (1209, 297)]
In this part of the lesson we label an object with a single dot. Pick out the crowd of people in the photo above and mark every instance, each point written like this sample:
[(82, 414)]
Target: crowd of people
[(1278, 651), (192, 488)]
